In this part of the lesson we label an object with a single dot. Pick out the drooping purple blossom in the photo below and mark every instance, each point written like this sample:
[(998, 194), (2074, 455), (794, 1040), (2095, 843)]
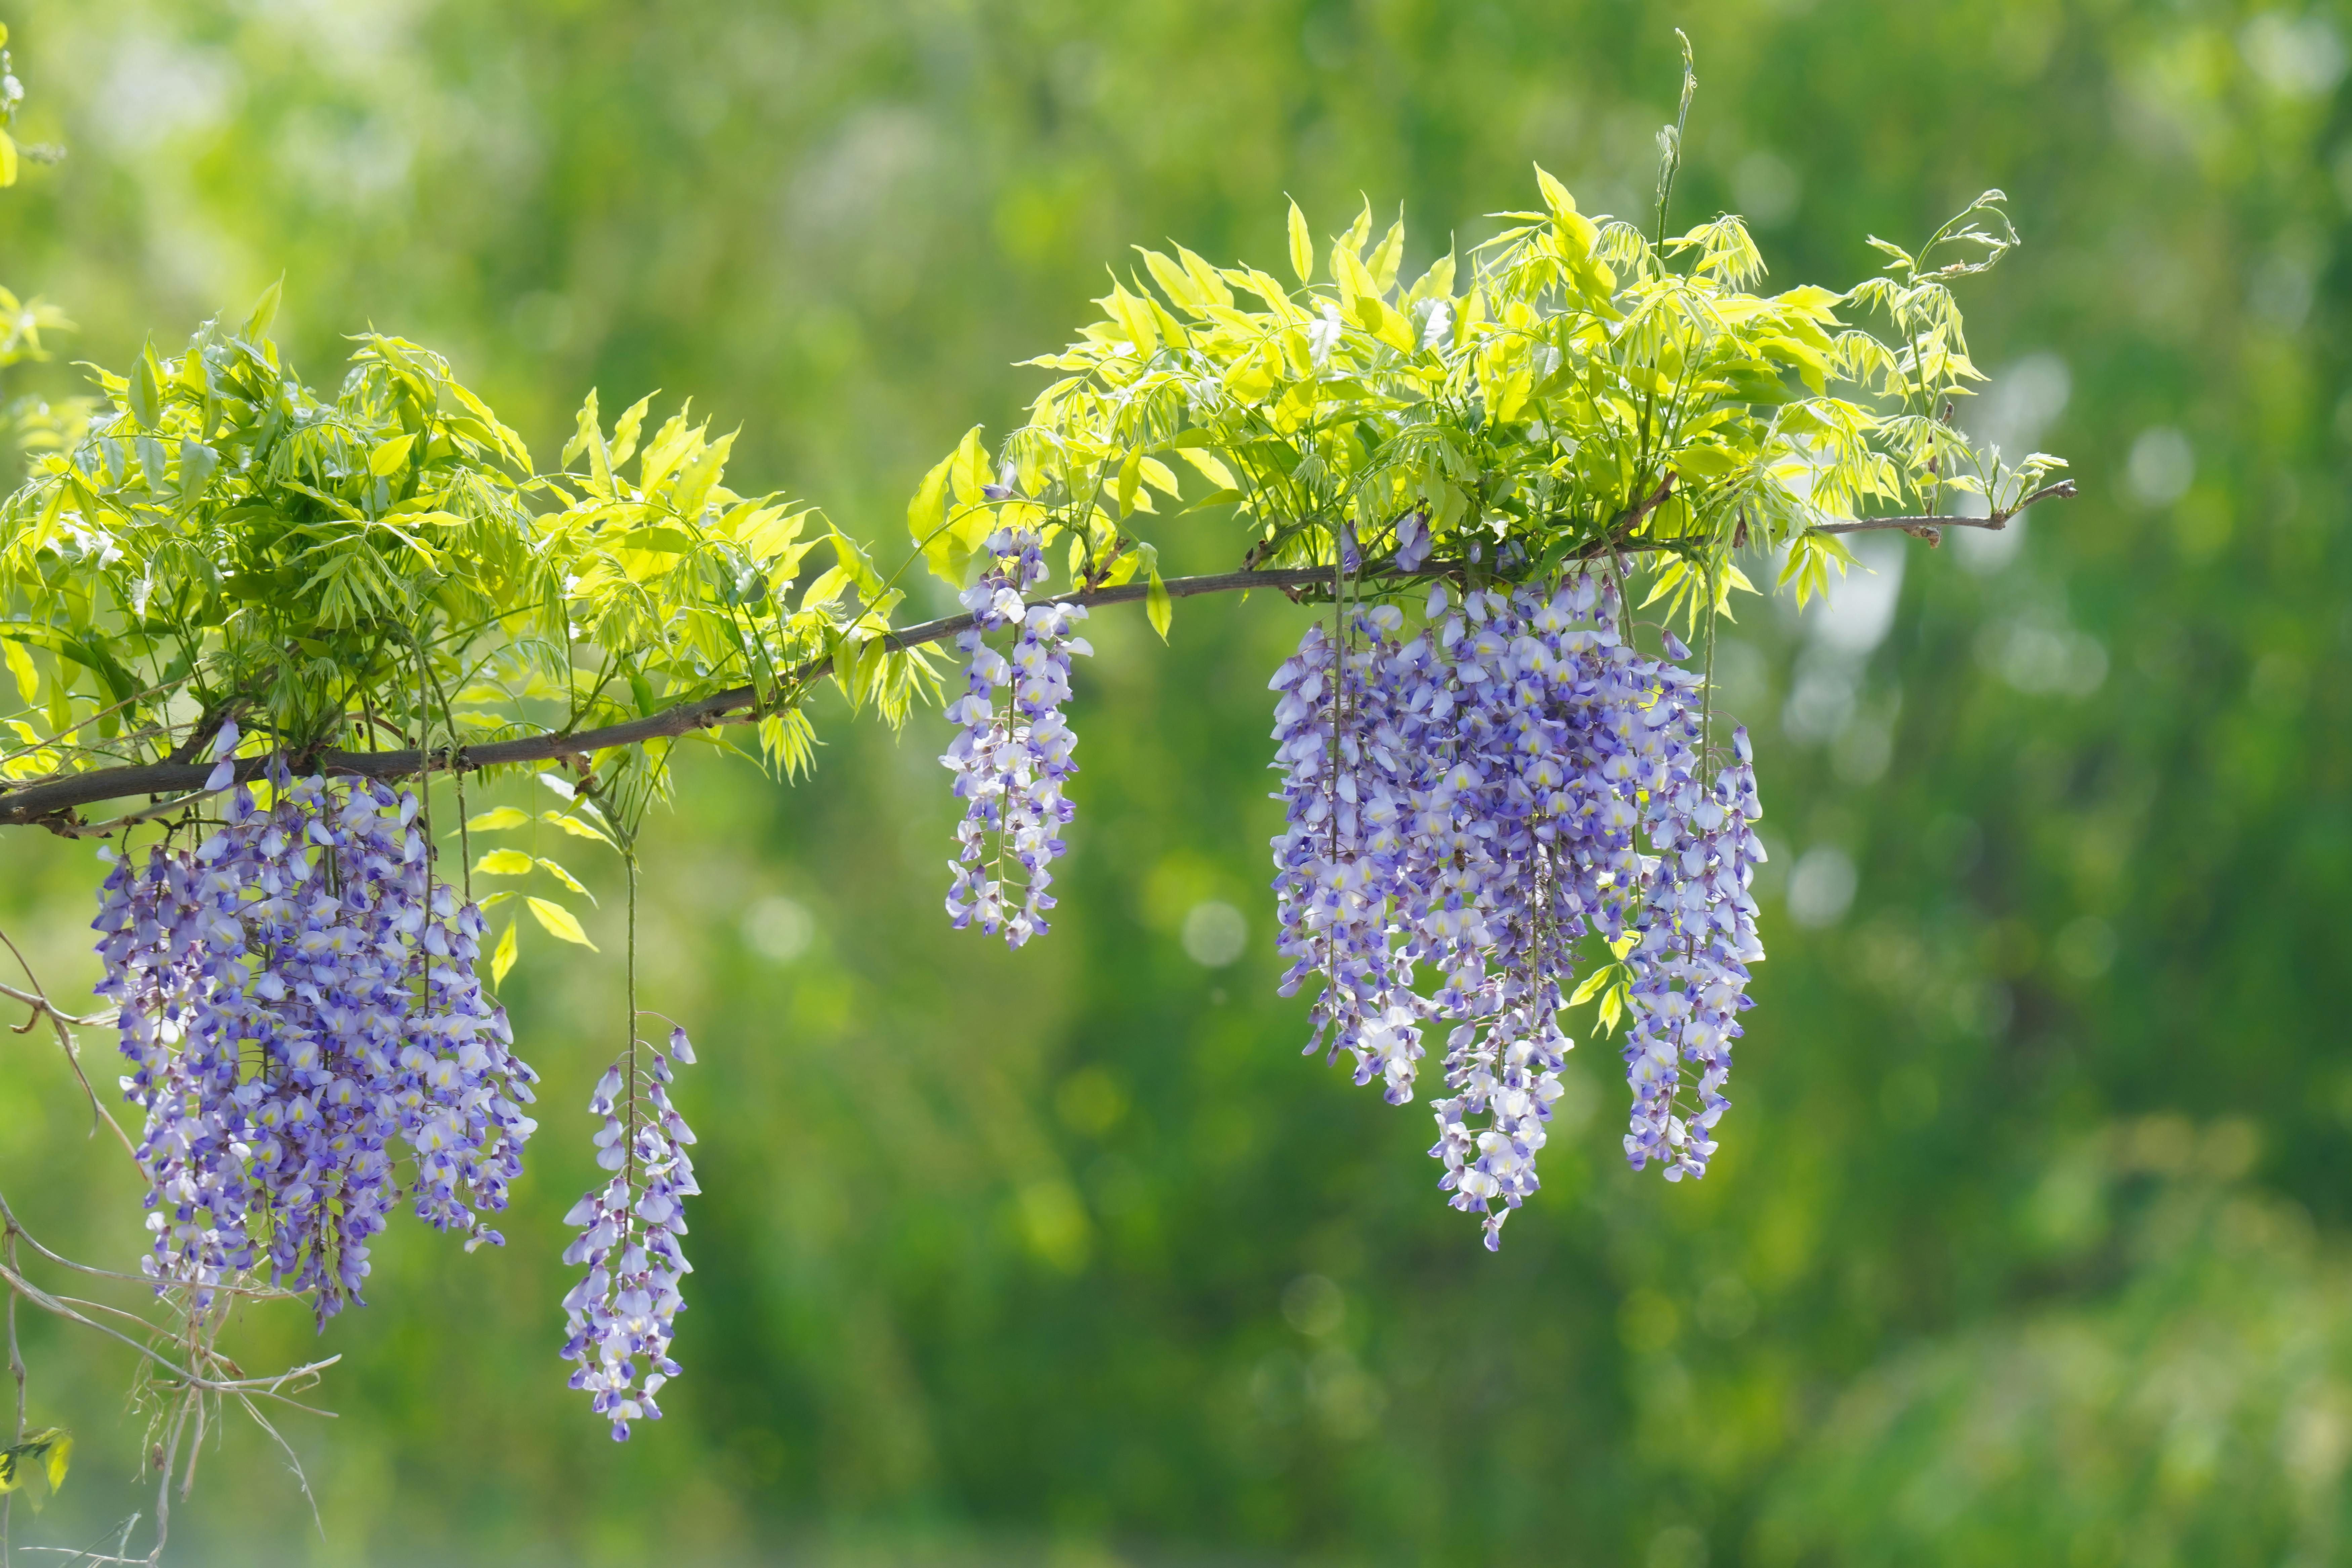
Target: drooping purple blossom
[(307, 1041), (621, 1316), (1014, 752), (1462, 805)]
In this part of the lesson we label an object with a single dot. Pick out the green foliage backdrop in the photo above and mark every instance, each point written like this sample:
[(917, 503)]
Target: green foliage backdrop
[(2029, 1241)]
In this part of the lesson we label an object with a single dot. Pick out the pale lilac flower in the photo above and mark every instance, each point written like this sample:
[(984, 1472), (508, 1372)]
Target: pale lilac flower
[(1011, 755), (1463, 804), (621, 1316), (308, 1039)]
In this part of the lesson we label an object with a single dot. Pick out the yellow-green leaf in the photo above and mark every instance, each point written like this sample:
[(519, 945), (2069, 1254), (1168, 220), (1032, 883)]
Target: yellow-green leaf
[(7, 158), (20, 665), (1157, 603), (502, 957), (1210, 467), (1131, 474), (559, 922), (1302, 246), (265, 310), (496, 820), (577, 828), (1358, 232), (1385, 256), (1591, 985), (566, 877), (1348, 271), (1177, 283), (390, 457), (1706, 462), (52, 1444), (503, 863)]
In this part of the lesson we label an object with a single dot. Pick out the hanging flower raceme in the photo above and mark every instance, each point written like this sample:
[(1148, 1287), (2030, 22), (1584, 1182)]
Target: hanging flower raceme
[(307, 1041), (1697, 937), (1337, 861), (1465, 805), (1014, 752), (621, 1315)]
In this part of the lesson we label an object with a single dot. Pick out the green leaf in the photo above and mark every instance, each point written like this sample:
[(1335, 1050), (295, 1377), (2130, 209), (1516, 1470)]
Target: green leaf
[(1158, 605), (198, 463), (21, 666), (854, 564), (503, 863), (1302, 246), (926, 512), (498, 820), (53, 1444), (152, 464), (390, 457), (265, 310), (144, 393), (559, 922), (1210, 467), (502, 957), (1131, 474), (1217, 497), (1704, 462)]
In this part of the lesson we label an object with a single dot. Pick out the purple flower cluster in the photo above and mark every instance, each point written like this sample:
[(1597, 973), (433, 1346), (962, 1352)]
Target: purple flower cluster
[(1465, 803), (1013, 755), (624, 1308), (1696, 935), (308, 1041)]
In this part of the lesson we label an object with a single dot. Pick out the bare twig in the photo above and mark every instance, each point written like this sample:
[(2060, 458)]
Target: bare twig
[(38, 1001), (268, 1387), (1929, 528), (41, 1004)]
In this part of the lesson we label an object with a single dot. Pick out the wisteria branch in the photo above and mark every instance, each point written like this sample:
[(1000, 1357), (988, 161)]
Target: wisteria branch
[(50, 803), (45, 804)]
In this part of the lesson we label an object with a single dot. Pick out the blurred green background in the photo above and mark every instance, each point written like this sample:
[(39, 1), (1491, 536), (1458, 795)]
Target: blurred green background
[(2030, 1237)]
